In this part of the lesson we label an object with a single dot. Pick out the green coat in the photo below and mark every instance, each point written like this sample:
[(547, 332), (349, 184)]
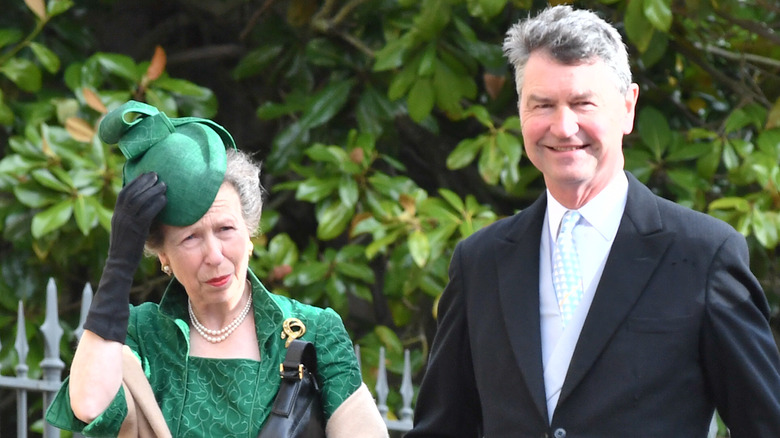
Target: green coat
[(202, 397)]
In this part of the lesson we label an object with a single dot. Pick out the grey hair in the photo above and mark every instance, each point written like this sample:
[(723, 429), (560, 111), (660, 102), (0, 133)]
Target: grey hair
[(571, 36), (243, 173)]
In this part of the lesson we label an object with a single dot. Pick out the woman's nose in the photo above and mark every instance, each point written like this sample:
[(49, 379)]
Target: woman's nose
[(212, 248)]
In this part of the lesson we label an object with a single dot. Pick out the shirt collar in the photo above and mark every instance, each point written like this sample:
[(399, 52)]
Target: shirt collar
[(603, 212)]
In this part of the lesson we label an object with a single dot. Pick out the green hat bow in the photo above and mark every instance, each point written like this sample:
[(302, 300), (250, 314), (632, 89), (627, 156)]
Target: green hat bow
[(187, 153)]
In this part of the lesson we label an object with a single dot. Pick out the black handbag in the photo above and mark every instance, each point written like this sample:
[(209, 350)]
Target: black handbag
[(297, 410)]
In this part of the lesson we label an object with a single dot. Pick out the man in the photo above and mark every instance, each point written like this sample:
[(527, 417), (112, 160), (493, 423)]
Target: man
[(661, 321)]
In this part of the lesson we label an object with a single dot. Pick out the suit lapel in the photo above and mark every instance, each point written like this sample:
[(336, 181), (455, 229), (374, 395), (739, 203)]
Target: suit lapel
[(638, 247), (517, 261)]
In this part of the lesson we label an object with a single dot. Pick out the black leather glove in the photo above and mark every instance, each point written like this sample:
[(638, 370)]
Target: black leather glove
[(136, 207)]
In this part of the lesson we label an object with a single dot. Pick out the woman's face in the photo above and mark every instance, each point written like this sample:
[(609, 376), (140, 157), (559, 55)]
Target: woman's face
[(210, 257)]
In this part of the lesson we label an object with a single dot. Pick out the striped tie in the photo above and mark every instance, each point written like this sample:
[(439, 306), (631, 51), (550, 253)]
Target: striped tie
[(566, 268)]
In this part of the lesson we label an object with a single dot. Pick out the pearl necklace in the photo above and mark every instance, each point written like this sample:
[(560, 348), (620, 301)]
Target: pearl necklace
[(216, 336)]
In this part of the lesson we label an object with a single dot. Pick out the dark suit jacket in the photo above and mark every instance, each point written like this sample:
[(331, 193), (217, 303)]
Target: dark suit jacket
[(678, 326)]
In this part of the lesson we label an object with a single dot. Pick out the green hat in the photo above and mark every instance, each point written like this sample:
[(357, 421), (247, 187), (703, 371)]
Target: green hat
[(187, 153)]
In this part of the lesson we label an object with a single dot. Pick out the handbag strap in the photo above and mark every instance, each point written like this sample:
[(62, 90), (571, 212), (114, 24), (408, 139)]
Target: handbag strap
[(299, 353)]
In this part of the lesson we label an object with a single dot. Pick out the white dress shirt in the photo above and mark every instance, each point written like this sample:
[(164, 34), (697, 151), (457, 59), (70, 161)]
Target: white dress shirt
[(594, 235)]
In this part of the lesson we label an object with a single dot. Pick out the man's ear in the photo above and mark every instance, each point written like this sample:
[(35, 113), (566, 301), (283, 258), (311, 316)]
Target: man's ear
[(631, 98)]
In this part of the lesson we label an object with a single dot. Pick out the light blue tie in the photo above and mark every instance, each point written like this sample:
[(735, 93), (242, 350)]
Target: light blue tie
[(566, 268)]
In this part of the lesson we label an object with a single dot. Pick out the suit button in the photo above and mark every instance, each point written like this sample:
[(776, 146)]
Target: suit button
[(559, 433)]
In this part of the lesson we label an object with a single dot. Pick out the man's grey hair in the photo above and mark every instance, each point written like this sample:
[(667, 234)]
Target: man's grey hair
[(243, 173), (571, 36)]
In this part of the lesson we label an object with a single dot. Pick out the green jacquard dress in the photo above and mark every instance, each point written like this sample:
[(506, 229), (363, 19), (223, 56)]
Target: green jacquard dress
[(203, 397)]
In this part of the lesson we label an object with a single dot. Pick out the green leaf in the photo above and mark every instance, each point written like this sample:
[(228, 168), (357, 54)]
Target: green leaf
[(638, 29), (481, 113), (510, 146), (447, 86), (31, 195), (438, 210), (85, 214), (52, 218), (120, 65), (453, 199), (360, 271), (769, 142), (333, 220), (381, 244), (730, 203), (324, 52), (433, 18), (465, 152), (184, 88), (486, 9), (737, 120), (419, 247), (9, 36), (24, 73), (689, 151), (336, 291), (490, 162), (58, 7), (48, 59), (420, 100), (659, 13), (327, 154), (287, 146), (389, 339), (428, 61), (656, 49), (730, 158), (487, 53), (765, 227), (349, 191), (654, 131), (18, 165), (256, 60), (401, 82), (6, 114), (103, 213), (309, 273), (326, 104), (391, 55), (708, 164), (316, 189), (283, 250), (273, 110), (374, 110), (47, 179), (743, 148)]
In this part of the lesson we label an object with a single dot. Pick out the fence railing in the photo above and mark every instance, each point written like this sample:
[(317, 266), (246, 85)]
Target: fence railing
[(52, 367)]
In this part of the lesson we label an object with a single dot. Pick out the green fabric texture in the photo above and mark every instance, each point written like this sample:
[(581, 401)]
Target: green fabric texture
[(203, 397), (187, 153)]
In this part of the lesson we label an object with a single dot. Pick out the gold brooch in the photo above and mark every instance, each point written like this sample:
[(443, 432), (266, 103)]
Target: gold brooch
[(292, 328)]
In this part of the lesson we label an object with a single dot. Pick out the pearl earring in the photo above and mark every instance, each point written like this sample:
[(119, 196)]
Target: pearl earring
[(167, 270)]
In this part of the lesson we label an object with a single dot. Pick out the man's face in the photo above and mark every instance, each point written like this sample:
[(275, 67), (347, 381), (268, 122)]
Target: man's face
[(573, 121)]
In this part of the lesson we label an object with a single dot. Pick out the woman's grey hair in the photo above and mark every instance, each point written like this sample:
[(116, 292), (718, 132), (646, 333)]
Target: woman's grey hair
[(243, 173), (571, 36)]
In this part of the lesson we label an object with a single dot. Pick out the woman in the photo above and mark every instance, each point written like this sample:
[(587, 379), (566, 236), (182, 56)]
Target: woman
[(212, 347)]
